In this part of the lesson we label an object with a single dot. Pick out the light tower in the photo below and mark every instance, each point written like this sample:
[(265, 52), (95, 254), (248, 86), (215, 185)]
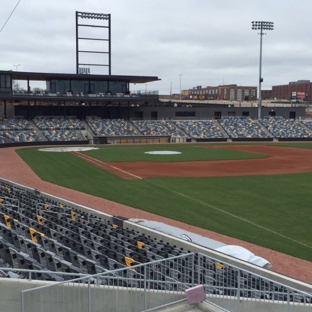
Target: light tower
[(260, 25), (180, 86)]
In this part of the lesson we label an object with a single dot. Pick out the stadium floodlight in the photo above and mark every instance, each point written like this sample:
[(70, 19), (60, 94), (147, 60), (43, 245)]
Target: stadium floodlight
[(261, 25), (98, 16), (17, 66), (16, 69), (103, 23), (180, 86)]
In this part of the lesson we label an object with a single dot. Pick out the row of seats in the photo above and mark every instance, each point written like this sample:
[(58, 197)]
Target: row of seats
[(4, 140), (68, 129), (61, 136), (110, 127), (8, 124), (20, 136), (158, 127), (58, 123), (200, 129), (243, 127), (286, 128), (226, 127), (39, 233)]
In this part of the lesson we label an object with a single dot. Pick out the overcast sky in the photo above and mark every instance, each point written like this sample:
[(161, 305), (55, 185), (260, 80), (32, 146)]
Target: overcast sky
[(209, 42)]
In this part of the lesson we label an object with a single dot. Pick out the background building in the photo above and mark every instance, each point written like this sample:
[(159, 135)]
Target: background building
[(296, 91), (266, 94), (230, 92)]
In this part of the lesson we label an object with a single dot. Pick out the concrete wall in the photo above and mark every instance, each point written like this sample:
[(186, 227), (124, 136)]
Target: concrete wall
[(156, 111), (247, 305), (9, 111), (74, 297), (209, 112)]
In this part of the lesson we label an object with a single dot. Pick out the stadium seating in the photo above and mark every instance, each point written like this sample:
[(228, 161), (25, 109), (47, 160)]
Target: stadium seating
[(158, 127), (58, 123), (60, 129), (38, 233), (286, 128), (4, 140), (110, 127), (8, 124), (307, 123), (20, 136), (200, 129), (67, 135), (242, 127)]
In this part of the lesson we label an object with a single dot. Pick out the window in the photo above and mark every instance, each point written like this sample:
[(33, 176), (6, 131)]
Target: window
[(239, 95), (217, 115), (153, 115), (185, 114), (5, 84), (225, 94), (246, 94), (232, 94), (292, 115), (253, 94)]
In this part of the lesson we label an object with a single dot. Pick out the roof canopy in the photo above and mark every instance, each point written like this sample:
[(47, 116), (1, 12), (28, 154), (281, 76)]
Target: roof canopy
[(62, 76)]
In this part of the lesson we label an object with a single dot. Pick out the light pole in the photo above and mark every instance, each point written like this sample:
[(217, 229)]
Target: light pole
[(170, 90), (180, 85), (260, 25), (16, 68)]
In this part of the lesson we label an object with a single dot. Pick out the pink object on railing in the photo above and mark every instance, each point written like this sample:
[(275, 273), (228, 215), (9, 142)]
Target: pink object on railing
[(195, 294)]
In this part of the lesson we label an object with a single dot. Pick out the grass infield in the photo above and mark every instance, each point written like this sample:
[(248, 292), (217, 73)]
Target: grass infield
[(271, 211)]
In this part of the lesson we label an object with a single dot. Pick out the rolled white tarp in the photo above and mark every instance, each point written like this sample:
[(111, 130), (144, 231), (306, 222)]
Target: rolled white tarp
[(231, 250), (245, 255)]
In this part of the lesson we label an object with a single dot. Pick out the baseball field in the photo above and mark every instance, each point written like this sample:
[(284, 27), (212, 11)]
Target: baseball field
[(260, 193)]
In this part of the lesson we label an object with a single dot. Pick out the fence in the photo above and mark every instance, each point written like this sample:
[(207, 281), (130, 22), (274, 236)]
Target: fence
[(235, 289), (157, 284), (141, 287)]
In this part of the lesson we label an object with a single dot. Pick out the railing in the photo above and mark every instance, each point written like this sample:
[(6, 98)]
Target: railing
[(81, 94), (31, 274), (142, 287), (234, 289), (155, 285)]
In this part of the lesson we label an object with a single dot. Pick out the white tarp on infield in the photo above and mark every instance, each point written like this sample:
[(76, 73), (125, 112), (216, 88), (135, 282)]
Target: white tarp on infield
[(231, 250)]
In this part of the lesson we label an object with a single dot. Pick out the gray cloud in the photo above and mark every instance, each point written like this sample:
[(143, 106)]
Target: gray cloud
[(209, 42)]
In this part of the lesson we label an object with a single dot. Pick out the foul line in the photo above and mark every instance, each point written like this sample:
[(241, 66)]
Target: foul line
[(230, 214), (96, 161)]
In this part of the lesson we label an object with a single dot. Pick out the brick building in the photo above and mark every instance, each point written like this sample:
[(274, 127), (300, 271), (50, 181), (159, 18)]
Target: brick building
[(230, 92), (266, 94), (297, 91)]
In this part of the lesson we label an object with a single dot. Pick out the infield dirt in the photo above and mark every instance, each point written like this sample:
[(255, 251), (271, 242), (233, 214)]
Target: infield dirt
[(280, 160)]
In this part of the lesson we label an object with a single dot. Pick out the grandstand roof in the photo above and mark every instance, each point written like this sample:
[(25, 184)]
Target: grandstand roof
[(47, 76)]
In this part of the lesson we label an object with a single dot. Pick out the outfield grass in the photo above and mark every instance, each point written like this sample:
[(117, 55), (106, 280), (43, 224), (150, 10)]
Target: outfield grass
[(271, 211)]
